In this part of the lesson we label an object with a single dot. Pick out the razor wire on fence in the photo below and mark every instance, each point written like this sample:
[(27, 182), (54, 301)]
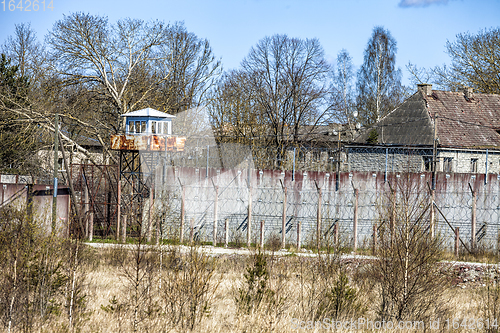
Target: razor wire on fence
[(226, 191), (362, 201)]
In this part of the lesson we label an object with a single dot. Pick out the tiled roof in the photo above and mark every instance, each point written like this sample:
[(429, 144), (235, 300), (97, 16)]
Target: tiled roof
[(462, 122), (466, 122)]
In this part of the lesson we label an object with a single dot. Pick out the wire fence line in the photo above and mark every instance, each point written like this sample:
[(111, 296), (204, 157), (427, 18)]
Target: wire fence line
[(350, 203), (342, 192)]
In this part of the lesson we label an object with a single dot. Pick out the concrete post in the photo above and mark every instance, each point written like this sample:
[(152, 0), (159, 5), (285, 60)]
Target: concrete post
[(392, 217), (124, 229), (432, 218), (299, 224), (457, 240), (183, 212), (91, 226), (216, 203), (226, 232), (261, 234), (374, 244), (336, 233), (118, 209), (283, 219), (318, 220), (249, 218), (473, 221), (86, 207), (355, 222), (191, 231), (150, 215)]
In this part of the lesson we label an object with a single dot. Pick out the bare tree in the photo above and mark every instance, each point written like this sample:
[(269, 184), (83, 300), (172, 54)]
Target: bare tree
[(286, 81), (26, 52), (342, 94), (408, 273), (475, 62), (233, 112), (379, 82), (127, 62)]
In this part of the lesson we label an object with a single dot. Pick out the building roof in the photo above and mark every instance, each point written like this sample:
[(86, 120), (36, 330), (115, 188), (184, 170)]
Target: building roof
[(148, 112), (464, 119)]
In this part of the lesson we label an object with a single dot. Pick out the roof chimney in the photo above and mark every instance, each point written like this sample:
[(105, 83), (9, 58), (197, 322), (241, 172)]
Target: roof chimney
[(425, 89), (467, 93)]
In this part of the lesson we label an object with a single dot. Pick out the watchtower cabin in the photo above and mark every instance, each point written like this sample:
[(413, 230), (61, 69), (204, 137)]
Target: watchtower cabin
[(148, 130)]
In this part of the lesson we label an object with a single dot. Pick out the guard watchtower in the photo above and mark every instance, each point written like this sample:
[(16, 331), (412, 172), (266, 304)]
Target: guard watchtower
[(143, 149)]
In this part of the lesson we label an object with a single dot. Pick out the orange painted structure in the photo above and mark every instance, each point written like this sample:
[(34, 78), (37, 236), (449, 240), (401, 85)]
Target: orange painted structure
[(147, 142)]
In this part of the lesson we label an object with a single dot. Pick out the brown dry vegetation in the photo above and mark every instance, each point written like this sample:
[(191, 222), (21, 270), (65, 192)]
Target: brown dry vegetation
[(53, 285), (295, 287)]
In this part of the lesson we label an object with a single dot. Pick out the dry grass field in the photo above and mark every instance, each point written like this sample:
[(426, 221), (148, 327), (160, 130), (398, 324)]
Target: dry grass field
[(147, 290), (58, 285)]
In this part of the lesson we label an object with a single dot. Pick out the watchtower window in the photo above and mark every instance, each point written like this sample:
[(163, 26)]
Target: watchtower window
[(153, 127)]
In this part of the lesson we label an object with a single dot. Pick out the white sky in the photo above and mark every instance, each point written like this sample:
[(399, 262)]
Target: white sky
[(420, 27)]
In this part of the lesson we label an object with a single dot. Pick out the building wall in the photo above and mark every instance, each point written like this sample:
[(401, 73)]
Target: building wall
[(41, 196), (461, 161), (392, 159), (417, 160)]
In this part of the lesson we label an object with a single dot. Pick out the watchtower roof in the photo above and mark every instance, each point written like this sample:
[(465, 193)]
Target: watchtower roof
[(148, 112)]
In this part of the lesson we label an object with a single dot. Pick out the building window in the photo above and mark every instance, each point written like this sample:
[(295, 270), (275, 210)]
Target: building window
[(316, 156), (131, 128), (302, 156), (447, 164), (142, 129), (473, 165), (160, 128), (153, 127), (428, 163)]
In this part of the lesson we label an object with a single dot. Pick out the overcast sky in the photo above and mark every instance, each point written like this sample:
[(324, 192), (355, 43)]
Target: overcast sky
[(420, 27)]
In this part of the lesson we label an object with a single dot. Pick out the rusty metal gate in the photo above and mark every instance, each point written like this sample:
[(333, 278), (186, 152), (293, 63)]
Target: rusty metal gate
[(97, 197)]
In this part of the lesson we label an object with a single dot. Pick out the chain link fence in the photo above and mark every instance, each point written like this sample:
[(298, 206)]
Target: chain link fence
[(342, 193)]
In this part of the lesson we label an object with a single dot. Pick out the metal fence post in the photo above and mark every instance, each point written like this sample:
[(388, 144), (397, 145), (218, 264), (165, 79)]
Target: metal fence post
[(457, 239), (374, 244)]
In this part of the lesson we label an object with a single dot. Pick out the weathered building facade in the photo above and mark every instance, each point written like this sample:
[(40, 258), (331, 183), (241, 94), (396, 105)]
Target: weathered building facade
[(458, 131)]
